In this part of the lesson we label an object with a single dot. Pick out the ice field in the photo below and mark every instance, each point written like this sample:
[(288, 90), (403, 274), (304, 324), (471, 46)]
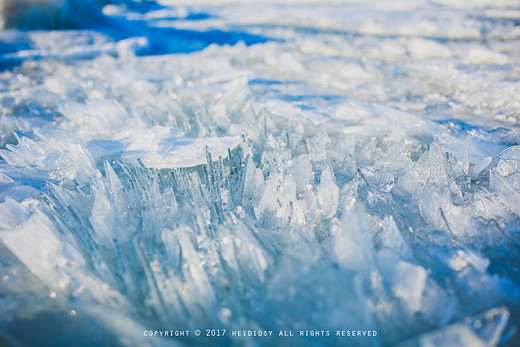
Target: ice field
[(297, 166)]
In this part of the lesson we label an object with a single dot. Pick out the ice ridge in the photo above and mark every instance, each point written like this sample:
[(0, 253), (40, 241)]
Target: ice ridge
[(358, 175)]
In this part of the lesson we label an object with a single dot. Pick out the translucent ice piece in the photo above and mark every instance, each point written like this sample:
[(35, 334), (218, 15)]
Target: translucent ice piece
[(161, 147), (327, 193), (36, 245), (480, 330)]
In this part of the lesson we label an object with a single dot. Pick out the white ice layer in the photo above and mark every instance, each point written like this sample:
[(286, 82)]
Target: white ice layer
[(260, 166)]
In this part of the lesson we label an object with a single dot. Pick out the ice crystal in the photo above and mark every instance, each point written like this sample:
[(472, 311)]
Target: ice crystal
[(285, 167)]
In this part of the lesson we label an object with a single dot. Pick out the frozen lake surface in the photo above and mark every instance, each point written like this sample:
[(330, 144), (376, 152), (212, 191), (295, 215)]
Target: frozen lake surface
[(260, 166)]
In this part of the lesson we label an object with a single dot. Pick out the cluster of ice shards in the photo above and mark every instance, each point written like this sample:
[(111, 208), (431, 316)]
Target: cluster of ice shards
[(358, 174)]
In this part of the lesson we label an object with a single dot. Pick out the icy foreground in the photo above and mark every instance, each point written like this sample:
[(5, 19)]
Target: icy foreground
[(256, 166)]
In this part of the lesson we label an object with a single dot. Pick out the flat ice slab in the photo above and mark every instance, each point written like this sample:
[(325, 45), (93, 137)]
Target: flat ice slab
[(323, 172)]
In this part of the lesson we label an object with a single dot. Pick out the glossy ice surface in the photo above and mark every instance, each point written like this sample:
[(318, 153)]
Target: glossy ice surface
[(260, 166)]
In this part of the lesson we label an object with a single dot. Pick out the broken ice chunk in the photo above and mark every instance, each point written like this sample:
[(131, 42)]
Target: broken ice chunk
[(105, 149), (506, 193), (407, 281), (353, 247), (51, 151), (390, 237), (95, 118), (252, 182), (162, 147), (379, 180), (301, 172), (507, 165), (276, 203), (466, 257), (481, 330), (287, 110), (198, 289), (327, 193), (35, 244)]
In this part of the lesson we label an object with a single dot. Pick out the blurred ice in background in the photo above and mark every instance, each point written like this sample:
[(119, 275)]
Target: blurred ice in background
[(250, 165)]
